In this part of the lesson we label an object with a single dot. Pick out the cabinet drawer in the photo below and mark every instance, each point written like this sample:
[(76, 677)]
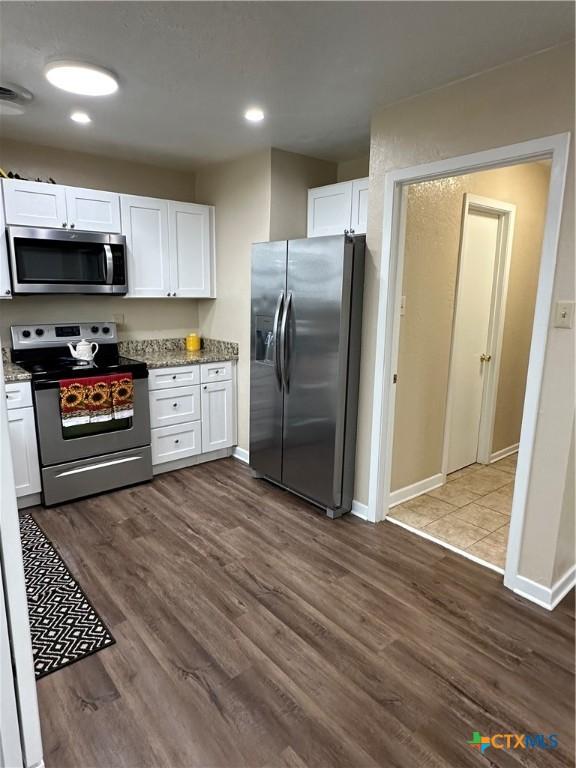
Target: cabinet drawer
[(174, 406), (164, 378), (216, 372), (18, 395), (176, 442)]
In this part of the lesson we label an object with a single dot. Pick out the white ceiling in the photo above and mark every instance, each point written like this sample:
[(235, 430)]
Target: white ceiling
[(189, 69)]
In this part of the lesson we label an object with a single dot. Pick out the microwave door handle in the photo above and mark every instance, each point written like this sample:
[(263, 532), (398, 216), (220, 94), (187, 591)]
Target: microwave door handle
[(109, 264)]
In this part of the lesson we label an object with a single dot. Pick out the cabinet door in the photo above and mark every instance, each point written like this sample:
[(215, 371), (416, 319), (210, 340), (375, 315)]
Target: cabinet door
[(191, 250), (34, 204), (218, 414), (145, 224), (24, 451), (329, 209), (359, 218), (5, 286), (93, 210)]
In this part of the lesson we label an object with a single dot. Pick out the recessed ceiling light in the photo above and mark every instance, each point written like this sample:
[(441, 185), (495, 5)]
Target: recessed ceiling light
[(254, 115), (83, 79), (81, 117)]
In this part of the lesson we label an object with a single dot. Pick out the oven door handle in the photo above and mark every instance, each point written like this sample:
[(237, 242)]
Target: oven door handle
[(109, 264)]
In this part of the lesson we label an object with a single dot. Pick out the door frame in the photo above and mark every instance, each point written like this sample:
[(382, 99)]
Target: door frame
[(388, 326), (506, 213)]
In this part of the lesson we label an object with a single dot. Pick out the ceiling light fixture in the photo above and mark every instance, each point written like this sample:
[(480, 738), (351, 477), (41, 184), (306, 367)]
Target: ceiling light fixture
[(81, 117), (254, 115), (82, 79)]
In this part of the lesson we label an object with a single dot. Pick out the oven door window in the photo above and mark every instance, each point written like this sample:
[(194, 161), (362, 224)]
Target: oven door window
[(56, 261), (96, 428)]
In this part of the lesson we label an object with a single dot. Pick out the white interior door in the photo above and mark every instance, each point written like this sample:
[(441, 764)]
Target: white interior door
[(470, 337)]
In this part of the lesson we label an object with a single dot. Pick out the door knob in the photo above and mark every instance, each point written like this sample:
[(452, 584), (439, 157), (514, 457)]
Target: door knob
[(485, 358)]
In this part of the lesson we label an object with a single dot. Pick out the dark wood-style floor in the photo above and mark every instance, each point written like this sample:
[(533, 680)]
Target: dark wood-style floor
[(252, 631)]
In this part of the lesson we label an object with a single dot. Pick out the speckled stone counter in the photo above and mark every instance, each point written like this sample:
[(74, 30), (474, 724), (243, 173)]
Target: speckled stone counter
[(165, 353), (13, 372)]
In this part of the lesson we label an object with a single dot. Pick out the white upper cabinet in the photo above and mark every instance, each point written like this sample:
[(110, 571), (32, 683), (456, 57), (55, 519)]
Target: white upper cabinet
[(145, 224), (5, 286), (338, 207), (359, 217), (34, 204), (329, 209), (93, 210), (191, 246), (170, 248)]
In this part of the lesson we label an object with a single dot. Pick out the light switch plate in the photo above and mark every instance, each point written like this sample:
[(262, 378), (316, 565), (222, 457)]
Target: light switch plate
[(119, 318), (564, 314)]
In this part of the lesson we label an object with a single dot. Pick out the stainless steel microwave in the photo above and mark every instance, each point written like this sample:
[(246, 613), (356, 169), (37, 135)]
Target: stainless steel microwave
[(63, 261)]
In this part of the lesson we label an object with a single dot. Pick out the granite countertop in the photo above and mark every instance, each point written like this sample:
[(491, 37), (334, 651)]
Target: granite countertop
[(165, 353), (13, 372), (156, 353)]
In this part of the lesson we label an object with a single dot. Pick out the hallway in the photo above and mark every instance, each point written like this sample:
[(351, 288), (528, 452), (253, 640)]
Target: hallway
[(471, 511)]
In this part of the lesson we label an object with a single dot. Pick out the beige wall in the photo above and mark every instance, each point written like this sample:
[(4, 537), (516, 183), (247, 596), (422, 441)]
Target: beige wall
[(292, 176), (566, 547), (143, 318), (433, 224), (240, 190), (358, 168), (523, 100)]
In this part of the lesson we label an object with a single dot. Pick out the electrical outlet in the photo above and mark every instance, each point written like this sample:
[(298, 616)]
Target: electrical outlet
[(564, 314), (402, 306)]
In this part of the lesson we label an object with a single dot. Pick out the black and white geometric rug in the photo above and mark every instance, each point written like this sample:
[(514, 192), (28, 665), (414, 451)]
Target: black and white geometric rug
[(64, 626)]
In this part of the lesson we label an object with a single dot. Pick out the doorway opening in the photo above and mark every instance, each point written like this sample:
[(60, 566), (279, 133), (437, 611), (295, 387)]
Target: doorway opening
[(471, 258)]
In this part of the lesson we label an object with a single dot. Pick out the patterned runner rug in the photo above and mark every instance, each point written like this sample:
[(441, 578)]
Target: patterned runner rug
[(64, 626)]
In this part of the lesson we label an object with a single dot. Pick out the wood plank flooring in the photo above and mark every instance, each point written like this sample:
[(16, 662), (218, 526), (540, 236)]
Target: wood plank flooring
[(252, 631)]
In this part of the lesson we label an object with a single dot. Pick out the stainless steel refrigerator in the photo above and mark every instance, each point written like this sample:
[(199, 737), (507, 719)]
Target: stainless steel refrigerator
[(304, 371)]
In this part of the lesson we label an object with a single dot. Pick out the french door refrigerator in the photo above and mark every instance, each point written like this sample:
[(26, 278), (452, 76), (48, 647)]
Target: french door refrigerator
[(304, 368)]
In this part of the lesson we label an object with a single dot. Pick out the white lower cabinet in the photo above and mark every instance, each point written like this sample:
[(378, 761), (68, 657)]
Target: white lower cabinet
[(22, 430), (191, 420), (217, 416), (176, 442)]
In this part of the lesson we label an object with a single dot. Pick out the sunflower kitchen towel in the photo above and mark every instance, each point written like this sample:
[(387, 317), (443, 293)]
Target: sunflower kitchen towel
[(96, 398)]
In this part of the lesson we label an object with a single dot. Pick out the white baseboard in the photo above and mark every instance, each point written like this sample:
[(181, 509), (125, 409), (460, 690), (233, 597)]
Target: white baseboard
[(359, 510), (416, 489), (503, 452), (445, 544), (241, 454), (32, 500), (546, 597)]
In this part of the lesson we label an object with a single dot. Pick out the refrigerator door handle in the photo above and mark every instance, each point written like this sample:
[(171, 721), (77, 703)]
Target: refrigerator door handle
[(276, 335), (285, 350)]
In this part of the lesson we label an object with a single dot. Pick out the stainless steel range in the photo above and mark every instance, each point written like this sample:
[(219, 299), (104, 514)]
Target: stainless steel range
[(86, 458)]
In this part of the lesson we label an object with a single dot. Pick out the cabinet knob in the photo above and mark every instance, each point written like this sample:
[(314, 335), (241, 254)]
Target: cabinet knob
[(72, 226), (174, 294), (174, 405), (176, 441), (168, 294), (205, 387), (7, 291), (174, 377), (64, 224)]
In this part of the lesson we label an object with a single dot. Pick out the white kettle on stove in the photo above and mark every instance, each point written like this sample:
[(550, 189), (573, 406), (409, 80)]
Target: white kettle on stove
[(84, 350)]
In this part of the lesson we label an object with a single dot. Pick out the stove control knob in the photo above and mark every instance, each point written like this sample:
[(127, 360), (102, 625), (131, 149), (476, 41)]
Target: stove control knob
[(105, 329), (26, 334), (94, 329), (39, 331)]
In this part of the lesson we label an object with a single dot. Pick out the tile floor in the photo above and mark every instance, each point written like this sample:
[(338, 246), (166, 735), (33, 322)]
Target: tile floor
[(471, 510)]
